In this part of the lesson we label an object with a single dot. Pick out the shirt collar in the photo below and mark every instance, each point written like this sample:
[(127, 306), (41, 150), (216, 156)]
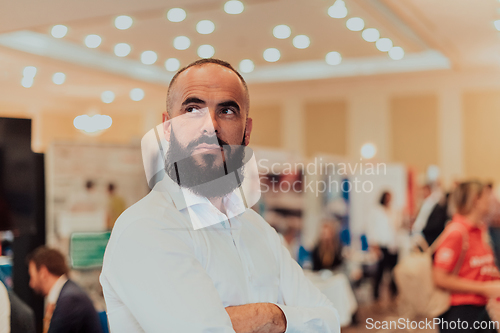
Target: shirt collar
[(232, 202), (56, 289), (465, 222), (183, 198)]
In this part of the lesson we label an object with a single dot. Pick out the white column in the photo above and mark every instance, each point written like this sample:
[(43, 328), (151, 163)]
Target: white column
[(369, 121), (293, 126), (451, 155)]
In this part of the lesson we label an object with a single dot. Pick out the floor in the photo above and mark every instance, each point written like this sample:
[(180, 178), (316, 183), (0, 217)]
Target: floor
[(376, 317)]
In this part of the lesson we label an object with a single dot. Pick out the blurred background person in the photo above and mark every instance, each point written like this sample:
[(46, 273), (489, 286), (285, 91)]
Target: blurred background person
[(436, 222), (292, 241), (431, 194), (492, 219), (382, 233), (327, 254), (68, 308), (464, 262), (116, 206), (331, 275), (86, 201)]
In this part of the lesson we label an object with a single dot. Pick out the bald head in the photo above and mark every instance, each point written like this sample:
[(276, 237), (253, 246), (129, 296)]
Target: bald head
[(201, 63)]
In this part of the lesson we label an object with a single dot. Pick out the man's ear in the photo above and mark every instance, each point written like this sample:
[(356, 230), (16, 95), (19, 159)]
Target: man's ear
[(167, 126), (248, 130), (43, 272)]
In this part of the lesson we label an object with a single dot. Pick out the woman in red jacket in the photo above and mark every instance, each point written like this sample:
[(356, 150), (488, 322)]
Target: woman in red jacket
[(464, 263)]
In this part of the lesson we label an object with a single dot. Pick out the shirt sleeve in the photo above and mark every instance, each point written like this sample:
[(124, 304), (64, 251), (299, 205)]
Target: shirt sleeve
[(4, 310), (448, 251), (157, 278), (306, 309)]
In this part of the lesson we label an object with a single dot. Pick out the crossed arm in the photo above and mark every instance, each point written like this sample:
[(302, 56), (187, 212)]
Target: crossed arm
[(179, 295), (257, 318)]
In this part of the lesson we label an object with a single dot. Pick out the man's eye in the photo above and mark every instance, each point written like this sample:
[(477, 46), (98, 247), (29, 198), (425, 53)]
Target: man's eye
[(228, 111), (192, 109)]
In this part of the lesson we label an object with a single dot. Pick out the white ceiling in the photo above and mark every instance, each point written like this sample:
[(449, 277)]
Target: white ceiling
[(440, 34)]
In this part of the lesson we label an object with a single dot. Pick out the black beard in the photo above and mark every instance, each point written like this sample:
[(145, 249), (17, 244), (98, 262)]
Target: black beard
[(202, 179)]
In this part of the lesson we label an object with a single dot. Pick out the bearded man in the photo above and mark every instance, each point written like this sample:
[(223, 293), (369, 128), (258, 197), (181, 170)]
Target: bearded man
[(190, 256)]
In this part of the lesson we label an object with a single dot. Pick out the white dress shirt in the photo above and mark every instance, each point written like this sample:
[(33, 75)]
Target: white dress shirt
[(55, 291), (4, 309), (383, 228), (160, 274)]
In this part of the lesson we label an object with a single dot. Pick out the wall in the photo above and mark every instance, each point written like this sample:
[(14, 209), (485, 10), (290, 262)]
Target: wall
[(326, 128), (481, 126), (436, 129), (446, 118), (414, 128), (266, 129)]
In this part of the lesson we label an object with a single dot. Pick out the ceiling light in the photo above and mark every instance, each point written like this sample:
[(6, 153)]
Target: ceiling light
[(370, 35), (384, 44), (206, 51), (301, 41), (29, 71), (172, 64), (59, 31), (282, 31), (97, 122), (123, 22), (246, 66), (333, 58), (368, 150), (181, 43), (122, 49), (107, 96), (93, 41), (272, 55), (355, 24), (148, 57), (136, 94), (338, 10), (234, 7), (59, 78), (497, 24), (205, 27), (176, 15), (27, 82), (396, 53)]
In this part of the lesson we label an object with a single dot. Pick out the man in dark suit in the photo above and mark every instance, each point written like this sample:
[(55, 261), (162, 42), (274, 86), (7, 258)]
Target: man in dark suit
[(68, 309)]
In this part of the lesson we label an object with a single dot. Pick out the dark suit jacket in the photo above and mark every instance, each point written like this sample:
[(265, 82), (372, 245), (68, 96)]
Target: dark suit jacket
[(74, 312), (436, 221)]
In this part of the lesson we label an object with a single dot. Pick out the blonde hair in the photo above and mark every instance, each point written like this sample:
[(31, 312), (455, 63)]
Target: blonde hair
[(465, 196)]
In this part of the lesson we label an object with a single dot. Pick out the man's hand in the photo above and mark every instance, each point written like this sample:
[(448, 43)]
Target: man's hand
[(257, 318)]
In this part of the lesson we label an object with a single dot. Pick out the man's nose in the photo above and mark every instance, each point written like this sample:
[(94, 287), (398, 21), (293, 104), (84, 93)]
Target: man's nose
[(210, 125)]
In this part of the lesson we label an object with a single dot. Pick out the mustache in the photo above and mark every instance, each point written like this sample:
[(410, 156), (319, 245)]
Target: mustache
[(206, 139)]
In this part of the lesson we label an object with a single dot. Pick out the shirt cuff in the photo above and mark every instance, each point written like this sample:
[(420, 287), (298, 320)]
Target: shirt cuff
[(292, 315)]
